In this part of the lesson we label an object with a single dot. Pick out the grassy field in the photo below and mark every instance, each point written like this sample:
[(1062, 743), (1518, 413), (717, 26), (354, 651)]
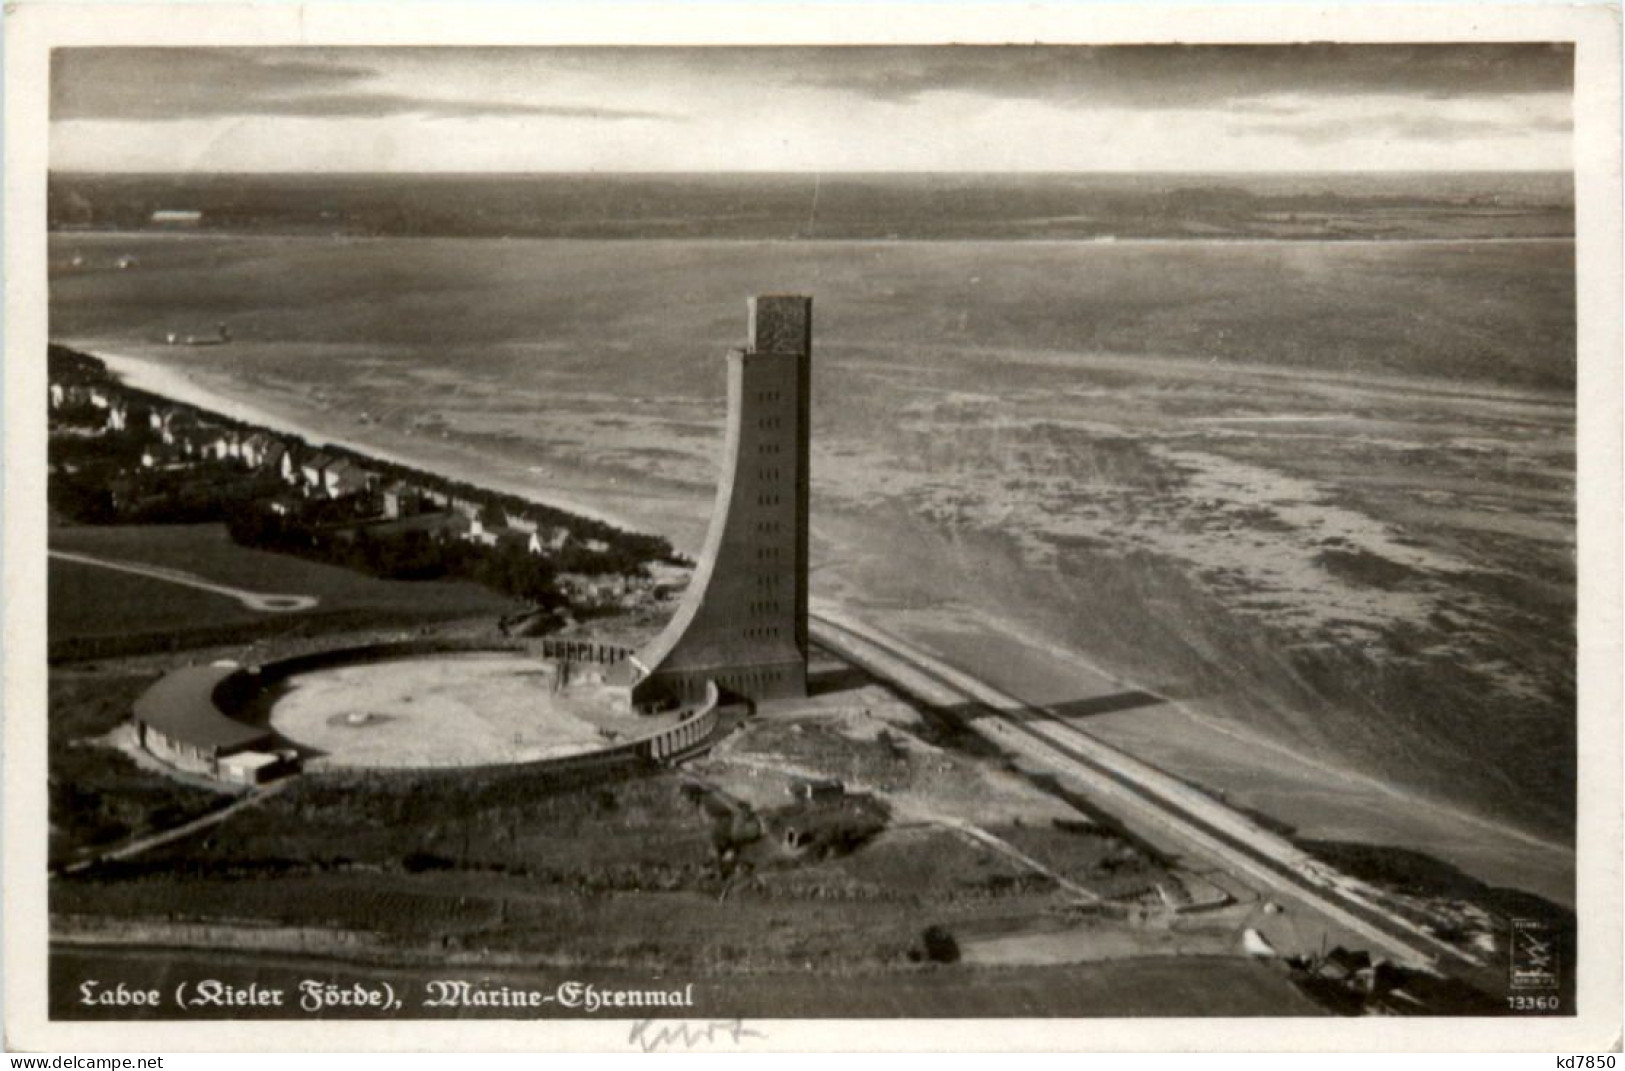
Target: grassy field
[(594, 870), (99, 608), (99, 796), (574, 872), (86, 600), (1321, 492), (689, 873)]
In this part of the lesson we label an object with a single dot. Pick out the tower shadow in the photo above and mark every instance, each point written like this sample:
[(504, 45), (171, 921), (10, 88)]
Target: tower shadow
[(1105, 704), (836, 679)]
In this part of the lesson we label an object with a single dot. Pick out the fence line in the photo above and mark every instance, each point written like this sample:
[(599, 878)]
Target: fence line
[(584, 651)]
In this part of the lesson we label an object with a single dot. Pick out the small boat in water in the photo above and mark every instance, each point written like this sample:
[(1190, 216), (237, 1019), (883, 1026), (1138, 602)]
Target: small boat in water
[(220, 338)]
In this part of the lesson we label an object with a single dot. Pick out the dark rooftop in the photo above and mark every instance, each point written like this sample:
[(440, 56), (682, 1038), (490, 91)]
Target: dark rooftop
[(181, 706)]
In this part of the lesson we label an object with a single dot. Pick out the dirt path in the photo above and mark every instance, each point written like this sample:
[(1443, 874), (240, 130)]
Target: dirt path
[(156, 840), (265, 602)]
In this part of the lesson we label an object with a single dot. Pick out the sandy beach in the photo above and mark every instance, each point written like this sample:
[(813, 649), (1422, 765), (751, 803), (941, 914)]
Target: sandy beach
[(149, 375)]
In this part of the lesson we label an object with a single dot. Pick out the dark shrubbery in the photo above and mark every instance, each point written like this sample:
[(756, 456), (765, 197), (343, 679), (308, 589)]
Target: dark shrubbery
[(832, 829), (85, 500), (98, 796), (419, 862), (412, 555), (939, 946)]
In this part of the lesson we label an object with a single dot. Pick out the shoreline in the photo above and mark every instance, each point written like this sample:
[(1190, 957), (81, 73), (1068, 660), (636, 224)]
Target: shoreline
[(143, 373)]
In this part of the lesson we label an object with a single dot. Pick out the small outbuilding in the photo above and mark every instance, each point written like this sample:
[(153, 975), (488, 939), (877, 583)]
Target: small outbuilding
[(817, 790), (1256, 945), (252, 767)]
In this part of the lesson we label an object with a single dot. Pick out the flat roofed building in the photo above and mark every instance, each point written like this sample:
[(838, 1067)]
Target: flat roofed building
[(179, 720), (251, 767)]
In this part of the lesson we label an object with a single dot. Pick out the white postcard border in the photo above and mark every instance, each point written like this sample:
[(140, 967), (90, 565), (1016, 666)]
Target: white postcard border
[(34, 28)]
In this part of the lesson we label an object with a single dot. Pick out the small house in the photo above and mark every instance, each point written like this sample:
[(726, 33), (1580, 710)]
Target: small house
[(1343, 965), (176, 426), (252, 767), (251, 449), (816, 790), (344, 477), (163, 456), (290, 467), (271, 457), (313, 467), (401, 499), (454, 527), (213, 441)]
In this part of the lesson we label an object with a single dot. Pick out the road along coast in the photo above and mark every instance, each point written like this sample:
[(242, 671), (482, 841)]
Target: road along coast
[(1153, 803)]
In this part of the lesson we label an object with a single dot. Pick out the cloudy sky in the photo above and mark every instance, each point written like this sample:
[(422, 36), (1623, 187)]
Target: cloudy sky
[(1167, 108)]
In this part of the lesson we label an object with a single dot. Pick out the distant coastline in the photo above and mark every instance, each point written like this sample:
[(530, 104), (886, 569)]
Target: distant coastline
[(905, 206)]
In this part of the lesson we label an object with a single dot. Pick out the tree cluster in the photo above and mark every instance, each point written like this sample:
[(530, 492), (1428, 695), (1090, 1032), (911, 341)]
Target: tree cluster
[(409, 555)]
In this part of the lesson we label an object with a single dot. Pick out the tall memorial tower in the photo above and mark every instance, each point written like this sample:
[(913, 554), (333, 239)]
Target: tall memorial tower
[(743, 621)]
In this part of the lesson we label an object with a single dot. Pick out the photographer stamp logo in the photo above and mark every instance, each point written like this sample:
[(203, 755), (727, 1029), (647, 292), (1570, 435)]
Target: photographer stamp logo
[(1533, 956)]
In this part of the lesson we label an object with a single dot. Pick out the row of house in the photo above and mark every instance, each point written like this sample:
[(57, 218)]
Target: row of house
[(662, 582), (96, 396), (185, 437)]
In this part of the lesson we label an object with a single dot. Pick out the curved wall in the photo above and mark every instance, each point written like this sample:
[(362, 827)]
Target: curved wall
[(743, 622), (226, 695)]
